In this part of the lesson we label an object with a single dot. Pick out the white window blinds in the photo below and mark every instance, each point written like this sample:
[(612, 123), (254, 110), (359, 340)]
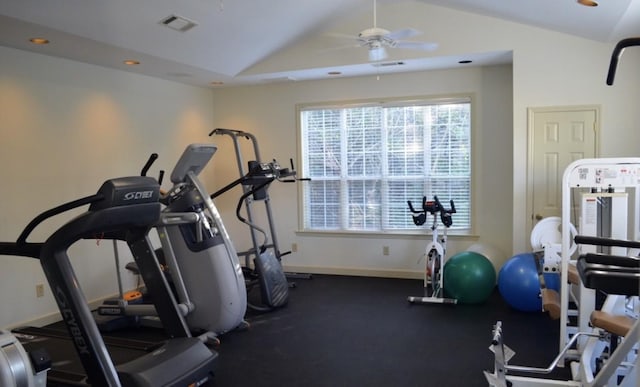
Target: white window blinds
[(365, 161)]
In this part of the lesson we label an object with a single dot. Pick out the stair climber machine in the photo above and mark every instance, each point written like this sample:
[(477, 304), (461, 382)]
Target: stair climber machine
[(267, 283), (124, 209), (201, 262)]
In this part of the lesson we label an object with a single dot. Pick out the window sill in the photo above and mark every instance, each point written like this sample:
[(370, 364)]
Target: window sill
[(420, 233)]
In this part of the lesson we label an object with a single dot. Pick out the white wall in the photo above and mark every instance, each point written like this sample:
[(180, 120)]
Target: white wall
[(559, 70), (66, 127), (268, 111), (549, 69)]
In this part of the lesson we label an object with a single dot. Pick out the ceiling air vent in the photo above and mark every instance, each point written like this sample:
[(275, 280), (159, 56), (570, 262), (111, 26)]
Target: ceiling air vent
[(178, 23)]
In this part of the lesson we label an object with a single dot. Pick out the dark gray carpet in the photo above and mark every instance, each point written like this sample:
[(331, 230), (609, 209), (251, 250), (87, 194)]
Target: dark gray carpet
[(356, 331)]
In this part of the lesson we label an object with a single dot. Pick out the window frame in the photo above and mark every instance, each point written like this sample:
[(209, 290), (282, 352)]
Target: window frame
[(469, 98)]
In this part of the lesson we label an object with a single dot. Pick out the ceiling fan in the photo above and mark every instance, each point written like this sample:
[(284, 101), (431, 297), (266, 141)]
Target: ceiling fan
[(377, 40)]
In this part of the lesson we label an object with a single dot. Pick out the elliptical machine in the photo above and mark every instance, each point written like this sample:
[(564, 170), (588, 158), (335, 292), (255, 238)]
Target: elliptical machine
[(200, 258)]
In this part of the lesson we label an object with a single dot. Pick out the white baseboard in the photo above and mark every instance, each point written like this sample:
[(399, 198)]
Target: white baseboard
[(54, 317)]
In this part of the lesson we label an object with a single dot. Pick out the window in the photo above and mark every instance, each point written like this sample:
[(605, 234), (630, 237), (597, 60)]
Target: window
[(365, 160)]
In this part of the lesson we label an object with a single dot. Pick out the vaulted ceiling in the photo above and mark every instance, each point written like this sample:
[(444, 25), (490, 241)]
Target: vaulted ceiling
[(229, 39)]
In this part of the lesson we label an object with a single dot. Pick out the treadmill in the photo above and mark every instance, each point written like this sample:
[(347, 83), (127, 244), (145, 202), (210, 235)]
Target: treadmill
[(125, 209)]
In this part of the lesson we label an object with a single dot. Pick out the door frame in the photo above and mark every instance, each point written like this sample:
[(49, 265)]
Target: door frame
[(531, 113)]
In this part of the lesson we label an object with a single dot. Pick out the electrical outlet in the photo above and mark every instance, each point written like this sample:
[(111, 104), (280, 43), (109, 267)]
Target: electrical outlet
[(39, 290), (385, 250), (294, 247)]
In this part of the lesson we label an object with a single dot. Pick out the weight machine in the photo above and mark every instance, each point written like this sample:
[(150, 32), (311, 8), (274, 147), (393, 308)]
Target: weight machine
[(598, 357), (610, 354), (612, 177)]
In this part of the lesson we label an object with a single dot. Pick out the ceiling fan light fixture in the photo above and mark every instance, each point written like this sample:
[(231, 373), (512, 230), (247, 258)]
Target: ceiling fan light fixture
[(376, 40), (377, 53)]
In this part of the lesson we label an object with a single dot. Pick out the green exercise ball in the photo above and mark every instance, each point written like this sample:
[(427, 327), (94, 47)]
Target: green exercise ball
[(469, 277)]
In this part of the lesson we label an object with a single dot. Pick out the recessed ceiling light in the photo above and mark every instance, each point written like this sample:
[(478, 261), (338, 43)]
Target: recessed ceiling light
[(466, 61), (131, 62), (334, 73), (588, 3), (39, 41)]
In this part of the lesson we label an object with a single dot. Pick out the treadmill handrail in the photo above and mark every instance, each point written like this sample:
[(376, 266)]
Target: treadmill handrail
[(64, 284), (22, 239), (124, 208)]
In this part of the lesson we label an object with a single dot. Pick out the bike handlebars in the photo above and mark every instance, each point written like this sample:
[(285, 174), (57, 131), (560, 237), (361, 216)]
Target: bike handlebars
[(445, 215), (433, 207)]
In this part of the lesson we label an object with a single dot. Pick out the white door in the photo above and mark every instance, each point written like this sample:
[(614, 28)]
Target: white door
[(557, 136)]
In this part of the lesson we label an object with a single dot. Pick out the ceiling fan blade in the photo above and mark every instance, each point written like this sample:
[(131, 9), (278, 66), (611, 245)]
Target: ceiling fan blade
[(426, 46), (336, 48), (340, 35), (403, 34)]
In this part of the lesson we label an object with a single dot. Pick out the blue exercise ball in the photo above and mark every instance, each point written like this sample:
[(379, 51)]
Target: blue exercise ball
[(552, 281), (519, 284), (469, 277)]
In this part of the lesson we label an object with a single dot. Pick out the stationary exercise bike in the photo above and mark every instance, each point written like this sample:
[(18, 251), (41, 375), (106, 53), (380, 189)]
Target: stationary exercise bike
[(434, 252)]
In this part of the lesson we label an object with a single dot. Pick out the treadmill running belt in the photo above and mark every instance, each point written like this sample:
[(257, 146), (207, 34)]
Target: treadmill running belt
[(66, 369)]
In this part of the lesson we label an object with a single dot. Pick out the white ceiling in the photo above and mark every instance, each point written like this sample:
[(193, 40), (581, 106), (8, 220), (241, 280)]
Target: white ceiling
[(233, 36)]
